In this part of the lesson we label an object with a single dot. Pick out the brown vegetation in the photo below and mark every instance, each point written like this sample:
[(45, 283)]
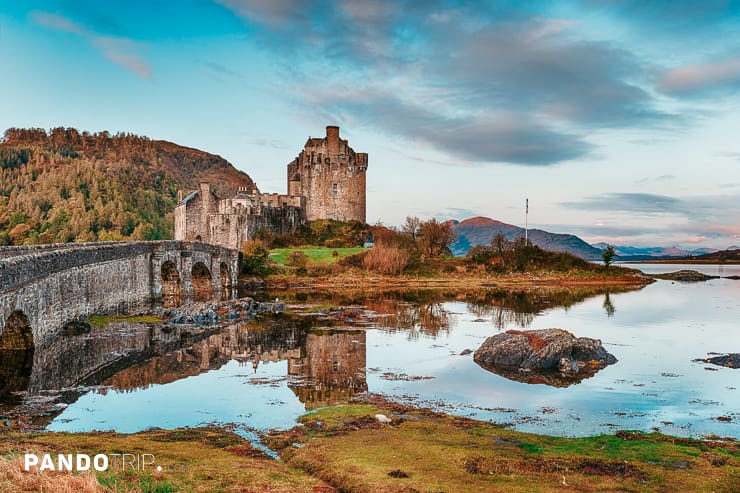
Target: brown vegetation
[(427, 451), (14, 479)]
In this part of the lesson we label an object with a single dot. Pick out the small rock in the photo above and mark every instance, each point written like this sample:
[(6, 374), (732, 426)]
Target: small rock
[(466, 352), (731, 360)]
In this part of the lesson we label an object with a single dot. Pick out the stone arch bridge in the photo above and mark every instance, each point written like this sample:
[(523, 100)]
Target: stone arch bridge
[(42, 287)]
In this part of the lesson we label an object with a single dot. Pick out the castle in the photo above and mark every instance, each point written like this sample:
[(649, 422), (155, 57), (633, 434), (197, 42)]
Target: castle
[(325, 181)]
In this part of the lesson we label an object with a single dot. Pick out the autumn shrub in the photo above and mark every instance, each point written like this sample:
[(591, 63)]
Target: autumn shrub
[(254, 255), (323, 270), (480, 254), (386, 260)]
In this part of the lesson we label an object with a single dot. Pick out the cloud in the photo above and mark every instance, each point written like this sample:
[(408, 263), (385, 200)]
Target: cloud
[(600, 229), (485, 83), (495, 137), (730, 154), (273, 12), (564, 80), (677, 19), (712, 216), (702, 79), (273, 143), (646, 203), (119, 50), (454, 213)]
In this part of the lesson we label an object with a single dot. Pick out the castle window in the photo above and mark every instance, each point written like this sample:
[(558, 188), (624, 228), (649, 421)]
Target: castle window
[(334, 188)]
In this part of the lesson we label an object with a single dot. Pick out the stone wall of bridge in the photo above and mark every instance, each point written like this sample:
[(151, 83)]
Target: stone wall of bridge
[(54, 285)]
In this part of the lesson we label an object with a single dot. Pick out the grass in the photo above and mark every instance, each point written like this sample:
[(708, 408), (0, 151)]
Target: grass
[(100, 320), (344, 448), (193, 460), (426, 451), (316, 255)]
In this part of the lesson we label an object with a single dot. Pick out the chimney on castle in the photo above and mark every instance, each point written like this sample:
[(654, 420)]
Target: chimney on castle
[(332, 139)]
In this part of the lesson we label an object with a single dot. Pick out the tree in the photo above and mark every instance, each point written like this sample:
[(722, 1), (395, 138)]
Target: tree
[(411, 226), (254, 258), (608, 255), (436, 238)]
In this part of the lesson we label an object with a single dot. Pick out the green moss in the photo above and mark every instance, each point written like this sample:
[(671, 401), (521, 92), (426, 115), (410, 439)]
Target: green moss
[(530, 447), (100, 320)]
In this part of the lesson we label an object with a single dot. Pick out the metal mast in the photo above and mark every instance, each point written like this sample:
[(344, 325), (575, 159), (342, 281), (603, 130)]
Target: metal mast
[(526, 221)]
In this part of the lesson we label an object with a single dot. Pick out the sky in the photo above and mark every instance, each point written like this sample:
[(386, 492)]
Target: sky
[(618, 120)]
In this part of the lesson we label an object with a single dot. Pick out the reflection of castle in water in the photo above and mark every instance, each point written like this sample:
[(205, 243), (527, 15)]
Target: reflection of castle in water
[(332, 370), (325, 367)]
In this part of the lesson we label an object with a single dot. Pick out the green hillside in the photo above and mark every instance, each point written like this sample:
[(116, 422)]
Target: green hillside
[(64, 185)]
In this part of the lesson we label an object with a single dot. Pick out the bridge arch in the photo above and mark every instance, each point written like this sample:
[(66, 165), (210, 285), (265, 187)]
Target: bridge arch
[(17, 333), (171, 282), (225, 275), (16, 354), (202, 281)]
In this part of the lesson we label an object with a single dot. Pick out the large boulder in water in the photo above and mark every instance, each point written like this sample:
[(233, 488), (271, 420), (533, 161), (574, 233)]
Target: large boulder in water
[(550, 356)]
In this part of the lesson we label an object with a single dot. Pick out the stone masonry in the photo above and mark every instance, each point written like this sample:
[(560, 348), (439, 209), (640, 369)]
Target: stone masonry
[(331, 176), (325, 181)]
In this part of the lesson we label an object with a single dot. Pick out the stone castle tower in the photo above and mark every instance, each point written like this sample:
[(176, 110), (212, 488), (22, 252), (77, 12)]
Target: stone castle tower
[(331, 176)]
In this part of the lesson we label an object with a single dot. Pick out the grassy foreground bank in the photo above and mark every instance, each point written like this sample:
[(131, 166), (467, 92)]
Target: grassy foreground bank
[(344, 448)]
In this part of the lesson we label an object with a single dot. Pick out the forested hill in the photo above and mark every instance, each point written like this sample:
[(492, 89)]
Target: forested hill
[(64, 185)]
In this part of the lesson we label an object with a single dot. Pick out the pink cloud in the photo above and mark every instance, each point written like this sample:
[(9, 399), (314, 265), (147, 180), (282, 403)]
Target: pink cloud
[(701, 77)]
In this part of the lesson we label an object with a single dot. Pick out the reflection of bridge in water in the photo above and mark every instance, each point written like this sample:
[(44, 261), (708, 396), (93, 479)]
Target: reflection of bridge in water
[(323, 367)]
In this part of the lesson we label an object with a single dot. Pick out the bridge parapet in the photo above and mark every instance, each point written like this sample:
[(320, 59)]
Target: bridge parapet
[(21, 269), (15, 251), (55, 284)]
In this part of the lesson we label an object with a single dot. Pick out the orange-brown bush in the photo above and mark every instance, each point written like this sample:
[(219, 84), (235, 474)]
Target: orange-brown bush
[(14, 479), (386, 260)]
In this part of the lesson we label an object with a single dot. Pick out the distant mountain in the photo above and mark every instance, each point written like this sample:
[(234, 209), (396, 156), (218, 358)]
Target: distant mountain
[(480, 231), (657, 252), (729, 255), (65, 185)]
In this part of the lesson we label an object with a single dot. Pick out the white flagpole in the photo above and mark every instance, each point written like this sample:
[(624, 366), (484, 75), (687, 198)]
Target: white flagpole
[(526, 221)]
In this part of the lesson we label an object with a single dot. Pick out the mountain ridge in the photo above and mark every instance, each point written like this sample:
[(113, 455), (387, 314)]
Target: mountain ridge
[(480, 230)]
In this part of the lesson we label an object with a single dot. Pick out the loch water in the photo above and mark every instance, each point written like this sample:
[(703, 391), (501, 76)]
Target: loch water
[(407, 346)]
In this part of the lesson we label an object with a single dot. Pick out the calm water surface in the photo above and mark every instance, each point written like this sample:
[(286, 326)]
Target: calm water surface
[(410, 351)]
